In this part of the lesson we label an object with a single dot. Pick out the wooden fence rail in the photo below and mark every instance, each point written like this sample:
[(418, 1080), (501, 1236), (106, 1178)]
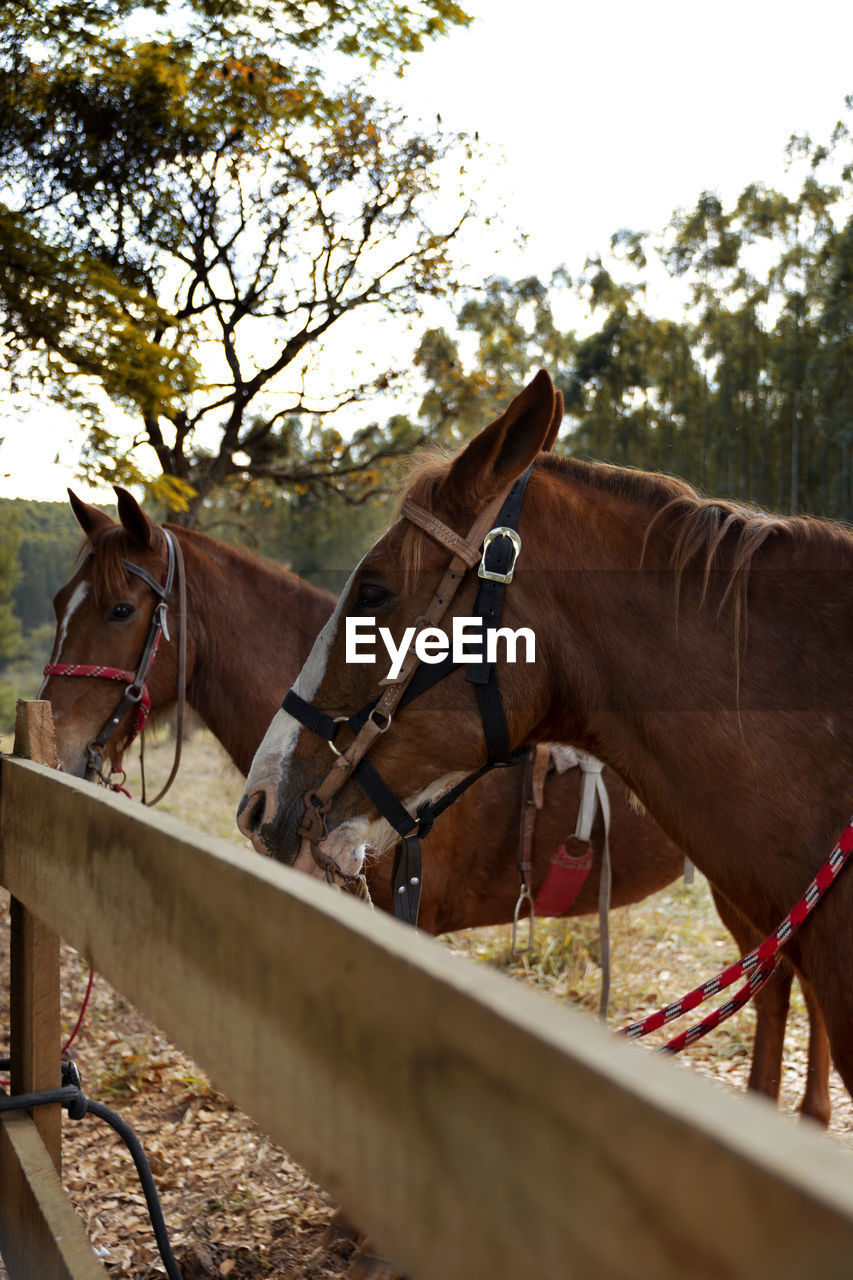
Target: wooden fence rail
[(475, 1129)]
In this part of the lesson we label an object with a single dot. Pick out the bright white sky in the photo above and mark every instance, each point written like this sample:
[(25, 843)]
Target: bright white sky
[(607, 115)]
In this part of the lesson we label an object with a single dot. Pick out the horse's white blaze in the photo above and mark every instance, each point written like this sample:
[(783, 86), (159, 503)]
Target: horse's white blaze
[(78, 595), (347, 842), (272, 758)]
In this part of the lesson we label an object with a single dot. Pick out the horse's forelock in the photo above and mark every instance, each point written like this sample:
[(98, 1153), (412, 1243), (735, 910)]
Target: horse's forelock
[(109, 576)]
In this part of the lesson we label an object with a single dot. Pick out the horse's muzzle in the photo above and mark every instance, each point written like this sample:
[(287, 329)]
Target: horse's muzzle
[(271, 828)]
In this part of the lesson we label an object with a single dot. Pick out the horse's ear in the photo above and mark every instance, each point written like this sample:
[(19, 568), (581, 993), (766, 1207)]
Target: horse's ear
[(90, 519), (555, 423), (507, 446), (134, 519)]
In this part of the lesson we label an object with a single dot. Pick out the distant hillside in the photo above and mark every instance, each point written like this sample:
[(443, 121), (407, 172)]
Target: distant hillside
[(49, 540)]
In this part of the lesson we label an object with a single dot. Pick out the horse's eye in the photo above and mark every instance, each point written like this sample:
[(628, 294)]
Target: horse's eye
[(370, 595), (121, 612)]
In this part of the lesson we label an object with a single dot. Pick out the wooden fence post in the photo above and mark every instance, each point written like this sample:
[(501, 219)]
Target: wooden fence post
[(34, 996), (41, 1236)]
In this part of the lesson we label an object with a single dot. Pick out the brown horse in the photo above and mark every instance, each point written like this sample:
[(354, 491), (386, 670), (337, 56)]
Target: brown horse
[(245, 617), (696, 647)]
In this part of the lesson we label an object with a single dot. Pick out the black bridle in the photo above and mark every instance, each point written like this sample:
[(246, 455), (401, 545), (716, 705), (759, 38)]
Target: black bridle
[(493, 545)]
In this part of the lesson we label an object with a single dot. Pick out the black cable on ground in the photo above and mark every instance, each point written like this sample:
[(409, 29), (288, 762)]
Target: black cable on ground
[(73, 1099)]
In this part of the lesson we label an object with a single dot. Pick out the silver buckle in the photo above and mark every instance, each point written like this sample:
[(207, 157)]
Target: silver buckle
[(500, 531)]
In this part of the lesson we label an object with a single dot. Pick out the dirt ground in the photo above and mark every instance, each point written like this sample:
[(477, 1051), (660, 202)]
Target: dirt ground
[(234, 1203)]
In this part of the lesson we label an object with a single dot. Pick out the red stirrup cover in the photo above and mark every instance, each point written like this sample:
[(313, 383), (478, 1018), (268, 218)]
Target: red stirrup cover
[(563, 883)]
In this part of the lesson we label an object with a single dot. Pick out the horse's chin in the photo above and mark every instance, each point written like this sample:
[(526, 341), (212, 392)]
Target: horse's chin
[(72, 757), (348, 861), (338, 849), (345, 846)]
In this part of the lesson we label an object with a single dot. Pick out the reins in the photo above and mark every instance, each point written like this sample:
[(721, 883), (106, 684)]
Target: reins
[(136, 689), (759, 963), (181, 576), (493, 544)]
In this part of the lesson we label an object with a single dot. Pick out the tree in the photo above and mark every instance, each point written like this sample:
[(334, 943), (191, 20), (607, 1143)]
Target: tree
[(188, 215), (47, 540), (10, 631), (515, 332)]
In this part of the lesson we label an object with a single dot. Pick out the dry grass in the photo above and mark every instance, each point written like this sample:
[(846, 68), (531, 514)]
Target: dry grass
[(236, 1204)]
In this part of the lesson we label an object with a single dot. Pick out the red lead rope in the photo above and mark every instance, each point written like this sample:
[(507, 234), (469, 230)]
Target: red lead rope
[(758, 963)]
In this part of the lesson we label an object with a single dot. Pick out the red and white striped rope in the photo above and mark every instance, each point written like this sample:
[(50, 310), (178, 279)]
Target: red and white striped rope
[(758, 963), (106, 673)]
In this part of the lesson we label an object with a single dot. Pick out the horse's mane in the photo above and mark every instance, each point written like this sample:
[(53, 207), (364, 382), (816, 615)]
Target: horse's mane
[(716, 535)]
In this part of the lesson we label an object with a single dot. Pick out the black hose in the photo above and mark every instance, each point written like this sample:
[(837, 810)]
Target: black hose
[(72, 1097)]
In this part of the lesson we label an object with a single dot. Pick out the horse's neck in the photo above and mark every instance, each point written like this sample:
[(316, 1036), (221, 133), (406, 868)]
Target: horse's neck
[(253, 627), (637, 688), (656, 688)]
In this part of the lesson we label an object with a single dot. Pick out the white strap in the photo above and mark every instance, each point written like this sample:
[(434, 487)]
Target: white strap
[(593, 791), (590, 784)]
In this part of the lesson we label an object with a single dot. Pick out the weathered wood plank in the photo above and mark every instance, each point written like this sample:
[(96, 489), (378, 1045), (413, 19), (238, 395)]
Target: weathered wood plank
[(34, 735), (54, 1245), (41, 1237), (473, 1128), (34, 962), (34, 1017)]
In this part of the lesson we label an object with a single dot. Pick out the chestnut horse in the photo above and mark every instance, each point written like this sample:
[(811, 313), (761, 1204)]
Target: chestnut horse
[(247, 617), (697, 647)]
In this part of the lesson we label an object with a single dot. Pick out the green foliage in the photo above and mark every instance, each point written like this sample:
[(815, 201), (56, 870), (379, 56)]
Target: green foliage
[(184, 217), (747, 391), (317, 534), (47, 543), (10, 630), (515, 332), (38, 543)]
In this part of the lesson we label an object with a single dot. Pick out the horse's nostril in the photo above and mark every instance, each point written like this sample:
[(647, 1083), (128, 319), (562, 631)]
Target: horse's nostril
[(250, 813)]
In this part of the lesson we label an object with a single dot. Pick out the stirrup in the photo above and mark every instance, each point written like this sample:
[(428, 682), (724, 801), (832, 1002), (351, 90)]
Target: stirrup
[(524, 897)]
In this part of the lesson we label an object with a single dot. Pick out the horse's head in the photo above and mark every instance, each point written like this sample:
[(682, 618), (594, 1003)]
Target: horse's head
[(436, 738), (105, 620)]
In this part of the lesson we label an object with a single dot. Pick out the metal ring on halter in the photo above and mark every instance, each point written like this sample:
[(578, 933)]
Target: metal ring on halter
[(338, 720), (95, 764), (134, 692), (381, 727)]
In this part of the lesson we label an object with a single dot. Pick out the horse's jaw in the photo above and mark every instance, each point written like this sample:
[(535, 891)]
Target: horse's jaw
[(341, 848), (348, 861), (354, 835), (345, 846)]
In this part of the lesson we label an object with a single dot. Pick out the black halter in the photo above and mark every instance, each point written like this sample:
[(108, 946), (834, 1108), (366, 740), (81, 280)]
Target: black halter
[(501, 547)]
